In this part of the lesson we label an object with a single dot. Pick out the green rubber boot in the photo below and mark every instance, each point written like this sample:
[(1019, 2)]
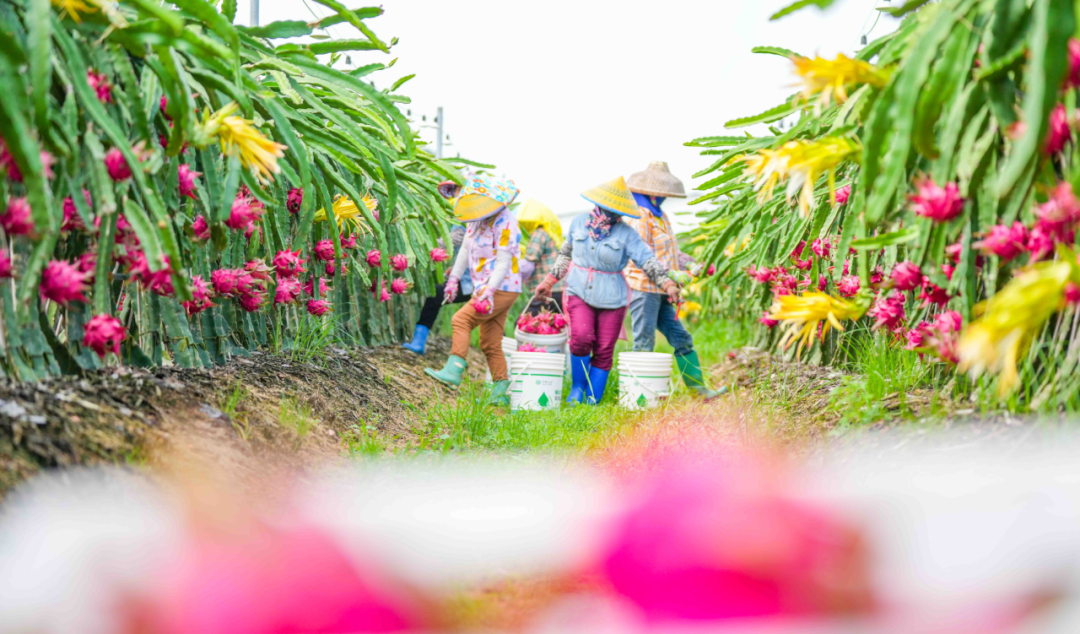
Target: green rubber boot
[(690, 367), (500, 393), (451, 372)]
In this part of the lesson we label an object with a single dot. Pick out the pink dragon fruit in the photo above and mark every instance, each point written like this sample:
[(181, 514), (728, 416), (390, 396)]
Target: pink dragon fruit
[(295, 200), (888, 312), (559, 321), (769, 323), (331, 269), (939, 204), (399, 262), (252, 302), (374, 258), (822, 283), (849, 286), (7, 162), (62, 282), (348, 242), (384, 296), (400, 286), (200, 296), (1072, 291), (225, 281), (1039, 244), (6, 268), (761, 276), (948, 270), (16, 219), (72, 220), (1059, 133), (87, 263), (103, 334), (258, 270), (101, 86), (906, 276), (932, 294), (842, 195), (200, 229), (164, 103), (916, 335), (318, 307), (528, 347), (324, 251), (117, 165), (821, 248), (1004, 241), (244, 213), (309, 287), (712, 270), (942, 335), (1058, 216), (187, 180), (289, 263), (481, 306), (288, 290), (158, 282), (439, 255)]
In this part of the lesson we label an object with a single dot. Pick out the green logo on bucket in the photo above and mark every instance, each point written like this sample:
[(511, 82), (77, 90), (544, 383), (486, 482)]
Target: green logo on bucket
[(642, 401), (544, 400)]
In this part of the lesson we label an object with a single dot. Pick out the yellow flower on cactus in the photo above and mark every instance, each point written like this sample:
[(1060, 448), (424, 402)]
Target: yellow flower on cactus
[(801, 315), (688, 308), (237, 136), (832, 79), (732, 248), (347, 213), (74, 7), (801, 163), (996, 341)]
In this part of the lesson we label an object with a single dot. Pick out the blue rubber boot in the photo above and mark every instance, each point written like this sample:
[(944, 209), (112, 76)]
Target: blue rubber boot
[(597, 384), (419, 340), (579, 378)]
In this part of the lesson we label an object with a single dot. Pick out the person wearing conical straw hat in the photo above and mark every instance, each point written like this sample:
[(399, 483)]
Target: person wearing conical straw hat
[(650, 307), (597, 249), (545, 238), (490, 252)]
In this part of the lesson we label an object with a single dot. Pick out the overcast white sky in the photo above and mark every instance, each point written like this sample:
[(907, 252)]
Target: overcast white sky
[(565, 94)]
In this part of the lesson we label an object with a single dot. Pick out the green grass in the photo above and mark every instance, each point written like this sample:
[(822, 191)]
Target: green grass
[(361, 441), (296, 416)]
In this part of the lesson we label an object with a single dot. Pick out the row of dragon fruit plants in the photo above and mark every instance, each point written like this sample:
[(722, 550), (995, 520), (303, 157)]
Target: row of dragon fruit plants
[(180, 187), (929, 199)]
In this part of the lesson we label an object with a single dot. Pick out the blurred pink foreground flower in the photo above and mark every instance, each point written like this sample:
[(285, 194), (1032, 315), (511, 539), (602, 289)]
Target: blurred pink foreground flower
[(906, 276), (1004, 241)]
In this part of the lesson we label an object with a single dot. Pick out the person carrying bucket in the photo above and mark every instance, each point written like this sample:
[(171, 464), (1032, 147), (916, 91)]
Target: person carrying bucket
[(592, 259), (651, 309), (490, 252), (544, 241)]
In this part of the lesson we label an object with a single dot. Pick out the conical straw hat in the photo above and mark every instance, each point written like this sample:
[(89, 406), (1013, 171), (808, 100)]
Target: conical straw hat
[(613, 196), (656, 180), (535, 215)]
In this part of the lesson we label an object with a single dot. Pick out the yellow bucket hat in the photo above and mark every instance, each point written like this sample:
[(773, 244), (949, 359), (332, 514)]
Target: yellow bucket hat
[(535, 215), (613, 196), (483, 196)]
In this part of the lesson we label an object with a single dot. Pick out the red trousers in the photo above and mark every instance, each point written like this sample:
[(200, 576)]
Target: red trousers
[(594, 331)]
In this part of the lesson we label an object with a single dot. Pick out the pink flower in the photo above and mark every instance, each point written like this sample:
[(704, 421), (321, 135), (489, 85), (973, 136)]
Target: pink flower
[(324, 250), (374, 258), (760, 276), (1039, 244), (101, 86), (348, 242), (821, 248), (803, 265), (906, 276), (16, 219), (399, 262), (1059, 132), (949, 321), (888, 312), (1072, 291), (481, 306), (849, 286), (822, 283), (318, 307), (5, 265), (62, 282), (769, 323), (309, 287), (187, 180), (400, 286), (295, 200), (1072, 80), (225, 281), (1058, 216), (943, 335), (439, 255), (103, 334), (117, 165), (939, 204), (244, 213), (932, 294), (289, 263), (288, 290), (200, 229), (842, 195), (711, 539), (915, 336), (200, 294), (72, 220), (711, 271), (1004, 241)]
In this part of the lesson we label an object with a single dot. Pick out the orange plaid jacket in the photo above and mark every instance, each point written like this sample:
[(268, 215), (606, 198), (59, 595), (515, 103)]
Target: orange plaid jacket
[(660, 238)]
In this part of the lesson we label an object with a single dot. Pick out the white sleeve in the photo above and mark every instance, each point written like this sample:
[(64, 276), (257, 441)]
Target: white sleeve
[(461, 262), (503, 261)]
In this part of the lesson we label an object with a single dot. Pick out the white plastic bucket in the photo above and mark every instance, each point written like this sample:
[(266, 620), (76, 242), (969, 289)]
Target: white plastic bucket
[(644, 379), (551, 343), (536, 380), (509, 347)]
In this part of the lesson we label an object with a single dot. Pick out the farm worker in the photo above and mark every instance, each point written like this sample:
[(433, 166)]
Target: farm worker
[(545, 239), (433, 305), (490, 251), (650, 307), (592, 260)]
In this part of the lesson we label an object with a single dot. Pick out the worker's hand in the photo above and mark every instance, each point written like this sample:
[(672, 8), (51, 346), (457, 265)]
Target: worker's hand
[(451, 291), (484, 294), (543, 290), (673, 293)]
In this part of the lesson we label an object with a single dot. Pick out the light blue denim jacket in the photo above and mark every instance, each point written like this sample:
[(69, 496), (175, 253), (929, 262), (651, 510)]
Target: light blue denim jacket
[(606, 287)]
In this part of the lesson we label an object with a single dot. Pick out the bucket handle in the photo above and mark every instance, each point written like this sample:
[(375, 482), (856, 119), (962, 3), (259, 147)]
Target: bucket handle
[(642, 384)]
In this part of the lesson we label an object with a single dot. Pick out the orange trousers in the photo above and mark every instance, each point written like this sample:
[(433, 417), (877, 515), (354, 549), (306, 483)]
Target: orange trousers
[(492, 327)]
